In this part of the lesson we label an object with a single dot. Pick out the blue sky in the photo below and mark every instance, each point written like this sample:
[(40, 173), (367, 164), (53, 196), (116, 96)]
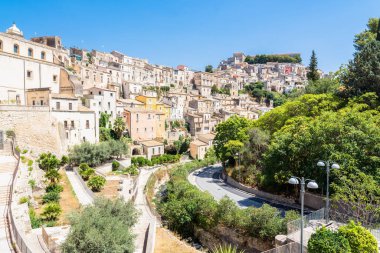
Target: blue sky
[(198, 32)]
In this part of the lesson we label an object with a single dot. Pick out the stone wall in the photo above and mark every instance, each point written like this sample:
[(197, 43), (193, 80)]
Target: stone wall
[(221, 235), (34, 127)]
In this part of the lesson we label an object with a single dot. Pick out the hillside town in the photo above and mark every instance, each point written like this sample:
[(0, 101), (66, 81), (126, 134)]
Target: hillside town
[(75, 86)]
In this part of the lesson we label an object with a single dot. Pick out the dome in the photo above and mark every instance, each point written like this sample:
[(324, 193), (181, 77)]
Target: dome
[(13, 30)]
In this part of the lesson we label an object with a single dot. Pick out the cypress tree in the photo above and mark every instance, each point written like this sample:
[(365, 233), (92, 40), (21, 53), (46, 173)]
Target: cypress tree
[(313, 74), (378, 31)]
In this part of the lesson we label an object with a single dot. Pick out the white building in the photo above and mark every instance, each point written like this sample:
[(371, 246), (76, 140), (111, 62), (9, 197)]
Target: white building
[(25, 65), (101, 100)]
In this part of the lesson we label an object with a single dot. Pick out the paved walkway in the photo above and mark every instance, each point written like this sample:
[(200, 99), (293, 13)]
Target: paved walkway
[(83, 197), (146, 216), (7, 166)]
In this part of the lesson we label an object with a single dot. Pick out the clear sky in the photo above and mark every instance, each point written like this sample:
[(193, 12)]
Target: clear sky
[(198, 32)]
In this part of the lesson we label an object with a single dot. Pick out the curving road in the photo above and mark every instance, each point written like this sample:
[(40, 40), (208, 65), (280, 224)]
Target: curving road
[(209, 179)]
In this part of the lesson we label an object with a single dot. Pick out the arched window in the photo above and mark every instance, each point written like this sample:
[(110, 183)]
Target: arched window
[(43, 55), (30, 52), (16, 49), (1, 45)]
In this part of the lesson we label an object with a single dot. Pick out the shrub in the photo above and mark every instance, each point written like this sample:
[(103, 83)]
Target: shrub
[(18, 149), (131, 170), (84, 166), (226, 249), (51, 211), (64, 160), (54, 188), (327, 241), (35, 221), (52, 196), (23, 200), (87, 173), (30, 169), (360, 239), (48, 161), (105, 226), (10, 133), (115, 165), (23, 159), (25, 151), (30, 163), (32, 183), (96, 183)]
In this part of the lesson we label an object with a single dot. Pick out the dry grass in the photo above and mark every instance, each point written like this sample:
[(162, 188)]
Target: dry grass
[(68, 202), (166, 242), (110, 189)]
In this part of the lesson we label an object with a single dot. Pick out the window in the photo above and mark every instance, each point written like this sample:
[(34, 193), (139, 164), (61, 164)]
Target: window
[(41, 102), (148, 116), (109, 105), (29, 74), (72, 124), (43, 55), (58, 106), (67, 135), (137, 117), (111, 94), (70, 106), (100, 93), (145, 130), (153, 151), (16, 49), (65, 123), (87, 124), (84, 139), (1, 45), (30, 52), (54, 78), (34, 102)]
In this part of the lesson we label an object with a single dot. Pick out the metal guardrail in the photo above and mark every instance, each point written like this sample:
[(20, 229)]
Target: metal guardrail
[(293, 247), (295, 225), (16, 238)]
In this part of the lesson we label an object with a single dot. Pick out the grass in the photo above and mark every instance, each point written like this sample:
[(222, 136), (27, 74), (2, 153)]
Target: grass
[(68, 201), (167, 242)]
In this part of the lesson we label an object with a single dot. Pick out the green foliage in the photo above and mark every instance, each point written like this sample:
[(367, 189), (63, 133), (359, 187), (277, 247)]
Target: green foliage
[(327, 241), (105, 226), (119, 127), (367, 35), (51, 211), (30, 163), (165, 158), (181, 145), (10, 134), (86, 171), (230, 136), (363, 73), (323, 85), (104, 120), (131, 170), (54, 188), (23, 200), (64, 160), (105, 134), (313, 74), (115, 165), (24, 151), (53, 176), (32, 183), (360, 239), (263, 58), (208, 69), (226, 249), (96, 183), (35, 221), (95, 154), (47, 161), (52, 196)]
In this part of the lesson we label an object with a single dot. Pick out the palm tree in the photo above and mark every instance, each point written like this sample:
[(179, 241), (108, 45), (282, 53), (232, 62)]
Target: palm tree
[(119, 127), (226, 249)]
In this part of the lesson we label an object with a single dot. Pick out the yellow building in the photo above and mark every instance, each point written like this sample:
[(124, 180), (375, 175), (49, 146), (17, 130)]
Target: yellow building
[(149, 101)]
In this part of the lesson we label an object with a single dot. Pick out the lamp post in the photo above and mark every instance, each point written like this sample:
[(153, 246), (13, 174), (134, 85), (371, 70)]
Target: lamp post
[(333, 166), (311, 185)]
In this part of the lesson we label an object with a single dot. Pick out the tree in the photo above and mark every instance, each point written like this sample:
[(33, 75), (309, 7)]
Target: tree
[(324, 85), (53, 175), (96, 183), (105, 226), (233, 129), (368, 34), (208, 69), (313, 74), (119, 127), (47, 161), (360, 239), (51, 211), (327, 241), (104, 119), (363, 73)]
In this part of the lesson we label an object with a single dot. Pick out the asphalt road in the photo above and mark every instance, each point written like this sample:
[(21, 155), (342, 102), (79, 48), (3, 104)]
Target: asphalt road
[(209, 179)]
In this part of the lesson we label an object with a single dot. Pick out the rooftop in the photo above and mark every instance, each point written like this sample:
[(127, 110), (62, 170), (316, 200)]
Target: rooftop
[(151, 143), (198, 143)]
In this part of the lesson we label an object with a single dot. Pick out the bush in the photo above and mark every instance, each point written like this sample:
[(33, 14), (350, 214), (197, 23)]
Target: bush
[(360, 239), (35, 221), (64, 160), (25, 151), (23, 200), (30, 163), (30, 169), (226, 249), (54, 188), (131, 170), (10, 133), (48, 161), (327, 241), (23, 159), (32, 183), (105, 226), (52, 196), (115, 165), (96, 183), (51, 211), (86, 171)]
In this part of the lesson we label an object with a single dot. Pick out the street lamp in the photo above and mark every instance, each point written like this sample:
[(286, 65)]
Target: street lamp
[(311, 185), (333, 166)]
